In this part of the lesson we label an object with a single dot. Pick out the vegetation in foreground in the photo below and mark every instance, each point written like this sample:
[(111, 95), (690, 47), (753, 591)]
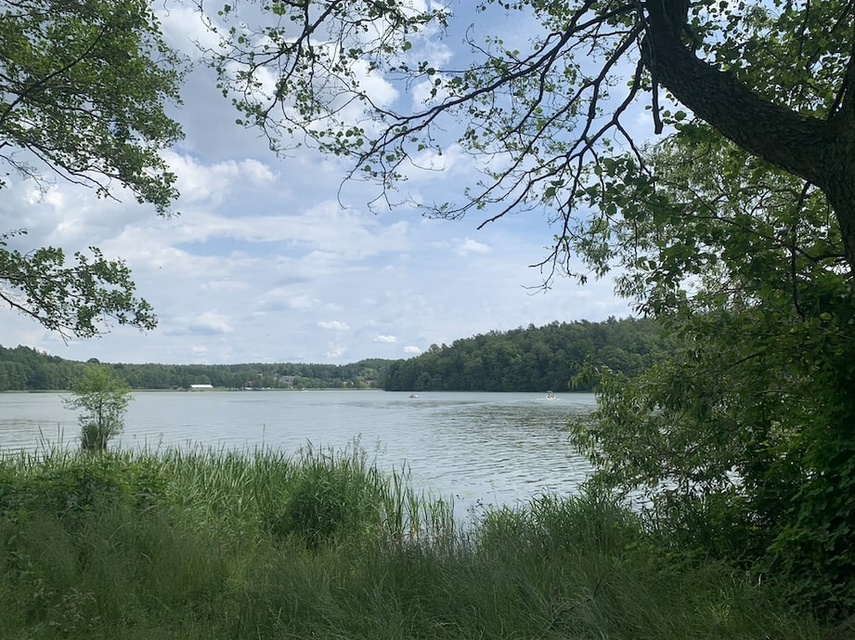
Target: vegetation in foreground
[(259, 545)]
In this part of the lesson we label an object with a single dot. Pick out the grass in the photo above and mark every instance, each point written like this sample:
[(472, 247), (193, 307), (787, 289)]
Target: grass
[(321, 545)]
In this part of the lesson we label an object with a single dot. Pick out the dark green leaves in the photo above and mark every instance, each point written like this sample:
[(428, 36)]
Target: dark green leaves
[(734, 439), (73, 299), (84, 88), (83, 91)]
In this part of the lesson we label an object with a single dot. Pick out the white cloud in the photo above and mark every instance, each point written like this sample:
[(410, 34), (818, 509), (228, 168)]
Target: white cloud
[(184, 30), (264, 264), (470, 246), (303, 302), (226, 286), (198, 182), (210, 323), (336, 353), (335, 325)]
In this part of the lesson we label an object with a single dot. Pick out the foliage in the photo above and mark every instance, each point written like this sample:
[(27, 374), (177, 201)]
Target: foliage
[(363, 374), (332, 497), (533, 358), (84, 88), (68, 486), (103, 399), (524, 359), (26, 369), (197, 562), (71, 299), (745, 250), (743, 441), (547, 119)]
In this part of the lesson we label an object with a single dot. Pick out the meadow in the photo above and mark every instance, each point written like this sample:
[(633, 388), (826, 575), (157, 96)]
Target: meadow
[(257, 544)]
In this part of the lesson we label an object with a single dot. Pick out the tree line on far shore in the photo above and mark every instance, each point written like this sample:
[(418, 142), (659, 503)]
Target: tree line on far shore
[(27, 369), (523, 359), (558, 356)]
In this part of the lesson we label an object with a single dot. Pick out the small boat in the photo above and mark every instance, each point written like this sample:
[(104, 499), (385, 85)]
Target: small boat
[(550, 395), (414, 395)]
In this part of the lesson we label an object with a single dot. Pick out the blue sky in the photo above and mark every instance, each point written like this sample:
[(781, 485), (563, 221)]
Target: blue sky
[(265, 265)]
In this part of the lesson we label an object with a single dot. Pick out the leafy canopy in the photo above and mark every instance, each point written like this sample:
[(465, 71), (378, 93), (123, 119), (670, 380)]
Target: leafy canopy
[(546, 123), (71, 299), (103, 398), (83, 89), (742, 442), (738, 230)]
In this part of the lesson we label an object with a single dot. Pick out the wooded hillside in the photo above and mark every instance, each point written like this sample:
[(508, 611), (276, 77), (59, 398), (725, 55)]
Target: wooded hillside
[(532, 359)]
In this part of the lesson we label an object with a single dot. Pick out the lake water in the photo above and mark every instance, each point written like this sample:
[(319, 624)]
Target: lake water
[(479, 448)]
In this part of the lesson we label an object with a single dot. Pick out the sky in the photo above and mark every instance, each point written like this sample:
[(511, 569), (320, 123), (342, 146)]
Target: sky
[(271, 260)]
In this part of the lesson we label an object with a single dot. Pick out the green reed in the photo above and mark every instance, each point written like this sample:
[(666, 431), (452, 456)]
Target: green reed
[(321, 544)]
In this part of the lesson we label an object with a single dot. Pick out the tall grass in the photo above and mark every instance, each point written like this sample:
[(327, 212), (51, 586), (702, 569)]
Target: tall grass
[(258, 544)]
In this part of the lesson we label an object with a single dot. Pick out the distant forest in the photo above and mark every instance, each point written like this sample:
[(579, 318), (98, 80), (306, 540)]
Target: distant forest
[(26, 369), (531, 359), (551, 357)]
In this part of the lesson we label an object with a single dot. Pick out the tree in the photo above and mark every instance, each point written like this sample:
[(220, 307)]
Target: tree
[(103, 399), (743, 441), (71, 299), (547, 123), (84, 87), (739, 231), (531, 359)]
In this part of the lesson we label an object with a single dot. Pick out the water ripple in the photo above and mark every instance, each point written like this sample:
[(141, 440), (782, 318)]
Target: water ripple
[(481, 448)]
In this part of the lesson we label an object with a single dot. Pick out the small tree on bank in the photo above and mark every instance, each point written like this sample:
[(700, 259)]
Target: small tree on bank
[(103, 399)]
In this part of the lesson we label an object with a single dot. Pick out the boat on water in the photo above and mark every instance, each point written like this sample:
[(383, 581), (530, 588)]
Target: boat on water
[(550, 395), (414, 395)]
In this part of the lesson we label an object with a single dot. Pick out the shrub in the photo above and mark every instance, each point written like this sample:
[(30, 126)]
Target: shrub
[(103, 399), (68, 485), (332, 498)]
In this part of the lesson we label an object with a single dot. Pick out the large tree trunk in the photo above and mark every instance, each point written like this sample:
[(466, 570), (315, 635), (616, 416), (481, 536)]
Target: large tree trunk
[(822, 151), (839, 188)]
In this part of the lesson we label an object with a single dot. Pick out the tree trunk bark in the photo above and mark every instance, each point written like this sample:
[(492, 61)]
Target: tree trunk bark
[(840, 192), (822, 151)]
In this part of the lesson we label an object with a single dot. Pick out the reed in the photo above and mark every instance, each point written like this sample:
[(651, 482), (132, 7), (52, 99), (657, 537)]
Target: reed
[(259, 544)]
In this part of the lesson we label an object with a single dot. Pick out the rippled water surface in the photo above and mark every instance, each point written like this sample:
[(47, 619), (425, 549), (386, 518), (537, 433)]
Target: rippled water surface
[(481, 448)]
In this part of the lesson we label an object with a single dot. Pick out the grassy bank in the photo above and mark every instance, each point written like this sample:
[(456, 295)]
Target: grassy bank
[(258, 545)]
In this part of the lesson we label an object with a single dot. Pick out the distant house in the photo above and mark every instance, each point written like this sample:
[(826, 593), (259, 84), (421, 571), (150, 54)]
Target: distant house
[(201, 387)]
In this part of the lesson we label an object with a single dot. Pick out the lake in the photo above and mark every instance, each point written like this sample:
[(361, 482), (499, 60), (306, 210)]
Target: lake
[(479, 448)]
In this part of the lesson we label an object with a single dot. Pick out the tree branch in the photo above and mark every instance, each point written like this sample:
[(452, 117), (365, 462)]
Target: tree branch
[(780, 136)]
